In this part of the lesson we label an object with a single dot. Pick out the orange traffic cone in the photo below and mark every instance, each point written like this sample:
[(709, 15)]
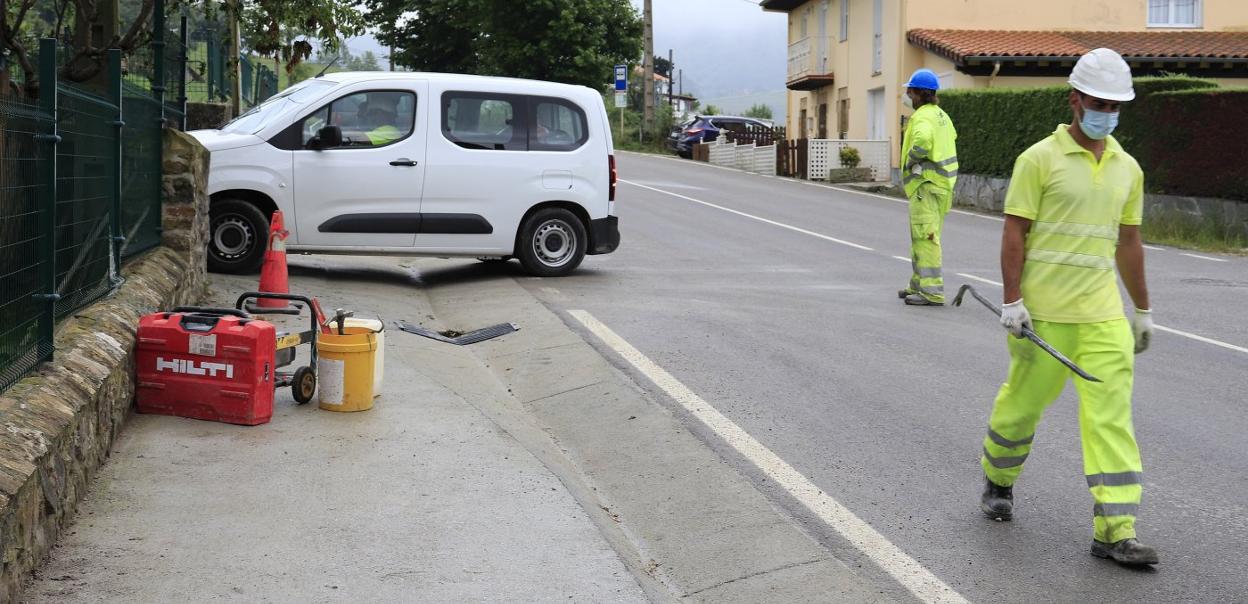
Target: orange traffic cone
[(273, 276)]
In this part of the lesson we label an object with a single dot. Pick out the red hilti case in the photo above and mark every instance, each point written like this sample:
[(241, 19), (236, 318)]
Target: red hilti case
[(213, 364)]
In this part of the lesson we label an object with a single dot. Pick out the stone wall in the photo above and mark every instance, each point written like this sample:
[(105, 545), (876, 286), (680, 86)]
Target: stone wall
[(987, 194), (59, 422), (200, 116)]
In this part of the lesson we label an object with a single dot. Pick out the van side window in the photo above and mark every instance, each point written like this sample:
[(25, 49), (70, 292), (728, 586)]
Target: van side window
[(475, 120), (367, 119), (558, 125)]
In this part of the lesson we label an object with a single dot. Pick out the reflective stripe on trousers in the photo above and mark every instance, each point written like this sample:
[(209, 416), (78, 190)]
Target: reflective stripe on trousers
[(928, 206), (1111, 458)]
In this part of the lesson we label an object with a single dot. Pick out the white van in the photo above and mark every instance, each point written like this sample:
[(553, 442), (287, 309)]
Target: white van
[(427, 164)]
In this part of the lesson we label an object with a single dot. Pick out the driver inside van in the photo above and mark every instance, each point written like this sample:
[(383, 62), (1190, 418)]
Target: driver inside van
[(379, 118)]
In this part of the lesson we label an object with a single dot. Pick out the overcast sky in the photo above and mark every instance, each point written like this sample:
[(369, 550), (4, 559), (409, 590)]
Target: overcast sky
[(725, 47)]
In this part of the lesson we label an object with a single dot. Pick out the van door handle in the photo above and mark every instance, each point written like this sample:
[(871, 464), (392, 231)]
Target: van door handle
[(402, 161)]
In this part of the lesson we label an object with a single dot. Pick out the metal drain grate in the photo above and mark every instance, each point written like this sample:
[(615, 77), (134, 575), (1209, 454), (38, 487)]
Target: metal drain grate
[(471, 337)]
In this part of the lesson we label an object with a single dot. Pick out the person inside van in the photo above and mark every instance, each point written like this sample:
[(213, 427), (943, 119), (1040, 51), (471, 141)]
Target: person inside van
[(379, 119)]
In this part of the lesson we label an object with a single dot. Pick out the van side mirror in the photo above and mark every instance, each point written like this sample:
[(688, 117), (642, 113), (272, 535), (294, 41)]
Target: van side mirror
[(328, 137)]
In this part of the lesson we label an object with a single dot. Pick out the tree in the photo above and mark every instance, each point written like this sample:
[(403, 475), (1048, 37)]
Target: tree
[(95, 26), (711, 110), (572, 41), (285, 29), (760, 111), (366, 62), (662, 66)]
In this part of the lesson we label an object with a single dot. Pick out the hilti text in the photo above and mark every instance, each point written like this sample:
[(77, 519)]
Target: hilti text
[(188, 367)]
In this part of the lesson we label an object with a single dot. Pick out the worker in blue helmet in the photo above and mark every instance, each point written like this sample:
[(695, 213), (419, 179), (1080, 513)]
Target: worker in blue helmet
[(929, 170)]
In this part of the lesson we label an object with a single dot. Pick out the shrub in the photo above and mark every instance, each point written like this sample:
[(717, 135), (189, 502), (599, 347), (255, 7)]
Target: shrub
[(850, 157), (1180, 129)]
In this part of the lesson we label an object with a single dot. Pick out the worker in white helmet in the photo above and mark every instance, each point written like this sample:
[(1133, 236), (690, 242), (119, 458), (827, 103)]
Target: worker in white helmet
[(1073, 212)]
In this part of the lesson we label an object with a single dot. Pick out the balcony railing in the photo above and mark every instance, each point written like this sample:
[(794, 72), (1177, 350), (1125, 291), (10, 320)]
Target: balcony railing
[(810, 57)]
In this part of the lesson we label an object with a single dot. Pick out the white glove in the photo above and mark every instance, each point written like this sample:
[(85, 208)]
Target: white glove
[(1014, 317), (1142, 327)]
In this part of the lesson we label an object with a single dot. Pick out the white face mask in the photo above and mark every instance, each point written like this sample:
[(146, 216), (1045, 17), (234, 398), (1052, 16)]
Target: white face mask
[(907, 101)]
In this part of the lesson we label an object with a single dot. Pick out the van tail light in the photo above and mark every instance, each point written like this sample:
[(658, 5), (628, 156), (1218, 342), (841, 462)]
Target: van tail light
[(693, 131), (614, 177)]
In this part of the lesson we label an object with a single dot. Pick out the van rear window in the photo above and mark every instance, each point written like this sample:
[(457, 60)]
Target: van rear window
[(475, 120), (557, 125)]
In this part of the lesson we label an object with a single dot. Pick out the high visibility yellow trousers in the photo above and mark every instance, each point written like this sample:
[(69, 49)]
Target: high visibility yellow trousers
[(928, 206), (1111, 458)]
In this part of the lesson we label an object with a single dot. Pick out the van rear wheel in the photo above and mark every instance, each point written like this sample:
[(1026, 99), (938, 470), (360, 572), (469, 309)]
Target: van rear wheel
[(552, 243), (238, 234)]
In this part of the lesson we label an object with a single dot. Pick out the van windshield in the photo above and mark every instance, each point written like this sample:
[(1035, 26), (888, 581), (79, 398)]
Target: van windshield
[(262, 115)]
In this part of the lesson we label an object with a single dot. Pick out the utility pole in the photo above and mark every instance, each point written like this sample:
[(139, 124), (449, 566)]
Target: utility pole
[(391, 57), (236, 52), (647, 85), (671, 80)]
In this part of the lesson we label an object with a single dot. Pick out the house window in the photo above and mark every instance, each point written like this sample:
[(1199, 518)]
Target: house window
[(1174, 13), (844, 20)]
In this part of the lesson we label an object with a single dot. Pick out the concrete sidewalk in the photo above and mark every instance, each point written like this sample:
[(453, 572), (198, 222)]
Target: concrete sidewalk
[(423, 498)]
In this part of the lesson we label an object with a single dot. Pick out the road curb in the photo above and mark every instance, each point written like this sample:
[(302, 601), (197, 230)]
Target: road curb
[(687, 523)]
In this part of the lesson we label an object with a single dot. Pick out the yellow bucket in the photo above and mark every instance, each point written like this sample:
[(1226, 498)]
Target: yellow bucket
[(345, 369), (379, 363)]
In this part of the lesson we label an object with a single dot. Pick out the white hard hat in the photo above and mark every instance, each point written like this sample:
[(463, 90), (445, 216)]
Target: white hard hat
[(1103, 74)]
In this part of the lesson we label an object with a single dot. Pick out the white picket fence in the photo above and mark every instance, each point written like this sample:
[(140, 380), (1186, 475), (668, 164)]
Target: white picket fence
[(750, 158), (825, 154)]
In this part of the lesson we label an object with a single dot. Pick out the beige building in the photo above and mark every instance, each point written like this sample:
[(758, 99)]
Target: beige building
[(849, 59)]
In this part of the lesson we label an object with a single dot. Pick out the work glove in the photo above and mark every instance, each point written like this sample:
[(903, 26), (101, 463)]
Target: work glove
[(1014, 317), (1142, 327)]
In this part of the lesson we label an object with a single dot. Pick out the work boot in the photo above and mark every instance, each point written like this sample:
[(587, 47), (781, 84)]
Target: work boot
[(919, 300), (1127, 551), (902, 293), (997, 502)]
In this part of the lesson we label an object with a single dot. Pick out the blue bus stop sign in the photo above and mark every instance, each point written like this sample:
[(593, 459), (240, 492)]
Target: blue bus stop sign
[(621, 78)]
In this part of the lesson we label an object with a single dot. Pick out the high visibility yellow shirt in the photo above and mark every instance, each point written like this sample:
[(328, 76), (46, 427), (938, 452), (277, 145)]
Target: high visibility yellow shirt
[(383, 135), (929, 150), (1076, 206)]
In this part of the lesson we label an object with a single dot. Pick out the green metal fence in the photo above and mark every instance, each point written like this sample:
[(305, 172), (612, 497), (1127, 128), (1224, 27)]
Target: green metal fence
[(85, 195), (24, 340), (208, 69), (80, 188), (141, 164)]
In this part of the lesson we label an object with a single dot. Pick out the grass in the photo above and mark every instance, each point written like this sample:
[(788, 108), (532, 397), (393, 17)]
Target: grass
[(1208, 234)]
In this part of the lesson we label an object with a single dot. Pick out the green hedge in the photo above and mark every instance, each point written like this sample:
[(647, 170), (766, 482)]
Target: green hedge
[(1192, 142), (1169, 113)]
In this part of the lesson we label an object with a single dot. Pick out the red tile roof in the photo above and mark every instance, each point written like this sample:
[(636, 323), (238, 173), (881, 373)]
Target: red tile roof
[(958, 45)]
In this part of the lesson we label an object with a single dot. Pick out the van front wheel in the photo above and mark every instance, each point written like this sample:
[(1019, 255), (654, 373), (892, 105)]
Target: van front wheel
[(552, 243), (237, 237)]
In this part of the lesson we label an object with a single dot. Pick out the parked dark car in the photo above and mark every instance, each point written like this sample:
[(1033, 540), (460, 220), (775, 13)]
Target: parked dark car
[(704, 129)]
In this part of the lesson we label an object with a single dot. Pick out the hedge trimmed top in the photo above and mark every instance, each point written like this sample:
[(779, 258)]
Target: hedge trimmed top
[(1181, 130)]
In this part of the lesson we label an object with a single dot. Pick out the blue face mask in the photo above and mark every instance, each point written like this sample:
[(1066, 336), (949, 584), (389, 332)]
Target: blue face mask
[(1098, 124)]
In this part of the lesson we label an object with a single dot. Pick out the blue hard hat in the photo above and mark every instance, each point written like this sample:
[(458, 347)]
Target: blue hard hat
[(925, 79)]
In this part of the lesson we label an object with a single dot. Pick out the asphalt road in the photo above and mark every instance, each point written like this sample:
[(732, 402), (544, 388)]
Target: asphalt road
[(798, 338)]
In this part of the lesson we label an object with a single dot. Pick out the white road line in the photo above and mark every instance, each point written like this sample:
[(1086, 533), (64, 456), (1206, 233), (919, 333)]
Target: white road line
[(906, 570), (1177, 332), (902, 258), (753, 217), (1204, 257), (1201, 338), (980, 279), (857, 192), (978, 215), (1154, 248)]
